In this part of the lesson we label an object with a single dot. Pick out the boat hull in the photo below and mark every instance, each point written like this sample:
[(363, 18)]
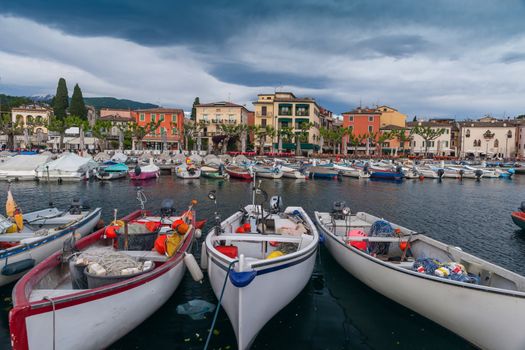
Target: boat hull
[(111, 176), (40, 249), (386, 175), (285, 281), (239, 175), (519, 219), (482, 317), (144, 175)]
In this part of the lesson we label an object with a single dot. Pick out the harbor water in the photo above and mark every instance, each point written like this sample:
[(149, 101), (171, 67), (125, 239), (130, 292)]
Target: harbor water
[(334, 311)]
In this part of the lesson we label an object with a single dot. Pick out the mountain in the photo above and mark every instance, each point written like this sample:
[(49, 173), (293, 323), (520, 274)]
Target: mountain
[(7, 102), (112, 102)]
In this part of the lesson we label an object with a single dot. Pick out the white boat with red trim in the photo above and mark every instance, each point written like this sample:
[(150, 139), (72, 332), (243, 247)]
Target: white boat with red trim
[(60, 304), (480, 301), (262, 259)]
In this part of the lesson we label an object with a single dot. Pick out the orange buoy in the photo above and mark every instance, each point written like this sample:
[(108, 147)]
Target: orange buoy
[(239, 229), (183, 228), (247, 227), (152, 226), (160, 244), (176, 223), (111, 231), (404, 245), (274, 243)]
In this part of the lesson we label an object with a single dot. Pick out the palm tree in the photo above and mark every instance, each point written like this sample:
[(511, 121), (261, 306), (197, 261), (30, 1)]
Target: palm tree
[(326, 135), (382, 136), (428, 134), (261, 133), (243, 134), (401, 136), (337, 138), (228, 132), (285, 134), (302, 136)]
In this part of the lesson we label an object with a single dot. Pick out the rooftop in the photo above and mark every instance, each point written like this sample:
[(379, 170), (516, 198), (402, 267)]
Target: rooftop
[(160, 110), (219, 104)]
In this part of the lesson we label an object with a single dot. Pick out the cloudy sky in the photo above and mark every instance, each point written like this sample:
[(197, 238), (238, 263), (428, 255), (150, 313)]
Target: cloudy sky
[(427, 58)]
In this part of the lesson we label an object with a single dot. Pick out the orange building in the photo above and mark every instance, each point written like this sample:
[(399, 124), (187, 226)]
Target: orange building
[(170, 130), (361, 121)]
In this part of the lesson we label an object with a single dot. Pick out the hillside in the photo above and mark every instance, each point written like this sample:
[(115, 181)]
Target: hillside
[(112, 102), (7, 102)]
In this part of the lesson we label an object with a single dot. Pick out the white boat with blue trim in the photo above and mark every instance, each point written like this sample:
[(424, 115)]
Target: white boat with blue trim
[(37, 235), (259, 260), (480, 301)]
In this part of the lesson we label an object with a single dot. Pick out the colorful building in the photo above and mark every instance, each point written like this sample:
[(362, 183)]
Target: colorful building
[(120, 119), (391, 116), (169, 132), (361, 122), (489, 138), (213, 115), (284, 109)]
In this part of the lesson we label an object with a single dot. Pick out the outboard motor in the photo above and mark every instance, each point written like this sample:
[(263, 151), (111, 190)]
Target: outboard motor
[(440, 173), (366, 167), (522, 207), (221, 169), (276, 204), (138, 170), (461, 173), (337, 210), (76, 207), (166, 207), (399, 169), (478, 174)]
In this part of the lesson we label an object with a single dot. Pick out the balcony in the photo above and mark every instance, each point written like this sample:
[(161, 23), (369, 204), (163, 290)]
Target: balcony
[(261, 115)]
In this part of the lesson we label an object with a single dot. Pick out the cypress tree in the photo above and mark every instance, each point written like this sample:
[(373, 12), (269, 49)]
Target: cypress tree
[(61, 100), (194, 110), (78, 108)]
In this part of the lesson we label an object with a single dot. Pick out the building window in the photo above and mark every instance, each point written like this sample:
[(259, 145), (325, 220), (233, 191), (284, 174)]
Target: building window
[(351, 118), (285, 109), (370, 129), (496, 143), (205, 117), (218, 110), (446, 131), (174, 118), (153, 116), (174, 131), (162, 117), (142, 117), (370, 119), (302, 110), (263, 123), (467, 133), (263, 110), (446, 144)]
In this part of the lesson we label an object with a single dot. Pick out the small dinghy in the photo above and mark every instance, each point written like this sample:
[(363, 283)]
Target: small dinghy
[(321, 172), (292, 173), (518, 217), (188, 172), (111, 171), (27, 239), (262, 259), (108, 284), (268, 172), (214, 172), (150, 171), (480, 301), (239, 172)]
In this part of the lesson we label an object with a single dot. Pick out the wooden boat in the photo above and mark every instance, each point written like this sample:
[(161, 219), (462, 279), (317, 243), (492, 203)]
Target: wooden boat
[(49, 313), (239, 172), (43, 233), (112, 171), (214, 172), (150, 171), (264, 268), (481, 302), (188, 172)]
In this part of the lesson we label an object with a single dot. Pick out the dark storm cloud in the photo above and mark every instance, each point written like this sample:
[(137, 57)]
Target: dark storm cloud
[(512, 57), (397, 46)]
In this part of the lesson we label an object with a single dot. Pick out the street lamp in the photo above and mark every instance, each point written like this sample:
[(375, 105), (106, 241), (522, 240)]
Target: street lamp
[(509, 135)]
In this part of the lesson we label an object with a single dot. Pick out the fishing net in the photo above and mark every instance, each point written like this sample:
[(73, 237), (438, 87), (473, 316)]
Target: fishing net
[(449, 270), (380, 228), (112, 261)]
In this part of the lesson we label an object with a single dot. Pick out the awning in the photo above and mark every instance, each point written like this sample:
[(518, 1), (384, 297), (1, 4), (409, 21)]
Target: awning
[(302, 105), (301, 120), (304, 146), (285, 120)]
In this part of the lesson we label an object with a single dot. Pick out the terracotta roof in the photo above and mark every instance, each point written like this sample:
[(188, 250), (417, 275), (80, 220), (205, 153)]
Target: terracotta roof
[(219, 104), (117, 118), (363, 111), (160, 110), (478, 124), (391, 127)]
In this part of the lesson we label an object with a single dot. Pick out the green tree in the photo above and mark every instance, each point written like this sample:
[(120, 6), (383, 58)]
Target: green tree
[(61, 100), (336, 136), (381, 137), (196, 102), (428, 134), (100, 131), (302, 136), (285, 135), (77, 107), (402, 137), (228, 132), (140, 132), (7, 127)]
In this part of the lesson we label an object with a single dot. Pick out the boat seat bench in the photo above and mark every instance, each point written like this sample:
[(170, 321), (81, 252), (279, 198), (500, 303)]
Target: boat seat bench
[(145, 255)]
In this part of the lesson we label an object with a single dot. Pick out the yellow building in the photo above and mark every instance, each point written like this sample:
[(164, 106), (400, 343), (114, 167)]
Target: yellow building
[(215, 114), (39, 115), (391, 116), (284, 109)]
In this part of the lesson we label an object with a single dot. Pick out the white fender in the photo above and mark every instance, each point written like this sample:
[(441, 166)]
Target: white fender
[(193, 267), (204, 256), (198, 233)]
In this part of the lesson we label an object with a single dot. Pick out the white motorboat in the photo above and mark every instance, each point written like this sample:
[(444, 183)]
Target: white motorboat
[(22, 167), (478, 300), (262, 269), (461, 173), (268, 172), (108, 291), (187, 172), (69, 167), (292, 173), (351, 171), (411, 173), (40, 234)]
